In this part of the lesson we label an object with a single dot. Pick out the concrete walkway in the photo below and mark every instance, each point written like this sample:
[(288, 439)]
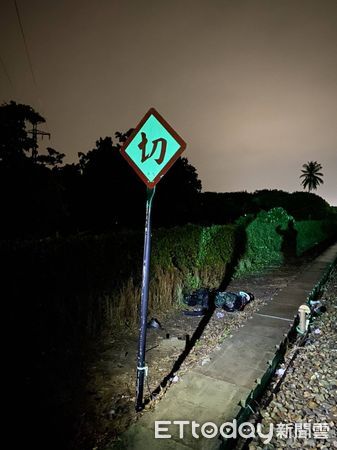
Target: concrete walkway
[(216, 391)]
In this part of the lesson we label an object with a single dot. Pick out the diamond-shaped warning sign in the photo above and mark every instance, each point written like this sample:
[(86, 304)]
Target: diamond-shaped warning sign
[(152, 148)]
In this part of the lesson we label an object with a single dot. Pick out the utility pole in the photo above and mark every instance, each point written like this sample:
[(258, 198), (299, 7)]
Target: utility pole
[(35, 133)]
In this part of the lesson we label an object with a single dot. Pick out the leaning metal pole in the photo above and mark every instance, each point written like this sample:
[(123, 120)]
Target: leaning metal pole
[(141, 368)]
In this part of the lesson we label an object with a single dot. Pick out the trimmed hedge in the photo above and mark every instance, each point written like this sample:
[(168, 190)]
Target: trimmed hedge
[(264, 237), (274, 235), (193, 246), (195, 256), (313, 232)]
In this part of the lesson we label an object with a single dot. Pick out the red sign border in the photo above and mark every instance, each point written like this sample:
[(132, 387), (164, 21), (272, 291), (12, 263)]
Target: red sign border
[(181, 142)]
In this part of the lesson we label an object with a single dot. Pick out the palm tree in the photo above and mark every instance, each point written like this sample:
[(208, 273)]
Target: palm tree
[(311, 175)]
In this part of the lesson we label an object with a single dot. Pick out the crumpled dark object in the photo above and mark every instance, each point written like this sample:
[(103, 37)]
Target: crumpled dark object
[(232, 301), (201, 297)]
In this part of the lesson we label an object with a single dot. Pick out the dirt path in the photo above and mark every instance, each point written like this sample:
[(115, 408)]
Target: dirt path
[(109, 404)]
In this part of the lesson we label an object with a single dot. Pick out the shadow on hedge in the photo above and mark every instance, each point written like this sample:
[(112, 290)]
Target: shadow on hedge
[(289, 241)]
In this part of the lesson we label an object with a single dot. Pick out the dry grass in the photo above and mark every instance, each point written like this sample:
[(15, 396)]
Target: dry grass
[(121, 308)]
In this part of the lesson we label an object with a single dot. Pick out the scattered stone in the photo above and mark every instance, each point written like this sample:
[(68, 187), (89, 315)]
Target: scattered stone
[(308, 394)]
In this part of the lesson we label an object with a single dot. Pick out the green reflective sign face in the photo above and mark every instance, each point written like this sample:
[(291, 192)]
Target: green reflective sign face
[(152, 148)]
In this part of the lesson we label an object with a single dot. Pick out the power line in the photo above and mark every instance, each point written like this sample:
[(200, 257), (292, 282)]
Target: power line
[(30, 63), (26, 45)]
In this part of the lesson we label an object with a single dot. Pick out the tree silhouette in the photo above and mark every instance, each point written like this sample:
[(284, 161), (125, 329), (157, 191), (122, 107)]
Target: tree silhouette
[(31, 203), (42, 196), (114, 196), (52, 159), (15, 144), (311, 175), (178, 195)]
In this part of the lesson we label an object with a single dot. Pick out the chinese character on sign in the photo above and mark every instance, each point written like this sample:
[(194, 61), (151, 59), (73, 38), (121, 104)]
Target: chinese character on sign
[(152, 148), (142, 147)]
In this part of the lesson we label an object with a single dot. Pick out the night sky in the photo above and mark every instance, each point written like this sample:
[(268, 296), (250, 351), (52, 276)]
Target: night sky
[(251, 85)]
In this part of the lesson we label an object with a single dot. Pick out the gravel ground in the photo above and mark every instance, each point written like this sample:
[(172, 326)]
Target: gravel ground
[(305, 405)]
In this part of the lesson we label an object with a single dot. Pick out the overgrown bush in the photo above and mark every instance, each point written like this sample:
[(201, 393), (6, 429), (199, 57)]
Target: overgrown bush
[(264, 237), (76, 286), (192, 249)]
